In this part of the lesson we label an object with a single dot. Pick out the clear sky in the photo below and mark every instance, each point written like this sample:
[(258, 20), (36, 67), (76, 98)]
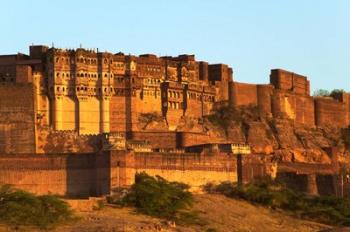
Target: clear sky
[(310, 37)]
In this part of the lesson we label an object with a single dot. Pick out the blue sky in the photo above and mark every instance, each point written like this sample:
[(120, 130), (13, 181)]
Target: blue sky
[(310, 37)]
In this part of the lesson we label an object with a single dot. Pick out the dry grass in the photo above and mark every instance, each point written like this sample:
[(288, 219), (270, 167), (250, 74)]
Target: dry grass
[(220, 213)]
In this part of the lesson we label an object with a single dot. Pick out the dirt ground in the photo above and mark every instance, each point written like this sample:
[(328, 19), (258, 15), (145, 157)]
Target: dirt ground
[(220, 214)]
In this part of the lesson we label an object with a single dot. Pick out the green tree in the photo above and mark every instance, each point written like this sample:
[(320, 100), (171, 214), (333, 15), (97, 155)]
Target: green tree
[(321, 93), (19, 207), (158, 197), (336, 92)]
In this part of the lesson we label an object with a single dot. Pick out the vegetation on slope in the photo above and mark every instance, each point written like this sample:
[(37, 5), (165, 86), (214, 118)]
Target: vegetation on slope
[(18, 208), (324, 209), (160, 198), (147, 118)]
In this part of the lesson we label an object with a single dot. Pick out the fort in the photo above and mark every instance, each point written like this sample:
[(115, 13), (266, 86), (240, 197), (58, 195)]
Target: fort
[(82, 122)]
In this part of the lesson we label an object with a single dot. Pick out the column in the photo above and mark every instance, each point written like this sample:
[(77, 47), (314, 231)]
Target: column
[(58, 113), (104, 114), (312, 184)]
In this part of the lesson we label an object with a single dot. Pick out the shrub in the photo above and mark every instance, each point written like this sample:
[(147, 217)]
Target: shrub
[(18, 207), (223, 116), (156, 196), (336, 92)]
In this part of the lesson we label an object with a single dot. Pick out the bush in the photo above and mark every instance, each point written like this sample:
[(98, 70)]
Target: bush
[(18, 207), (324, 209), (223, 116), (156, 196), (321, 93)]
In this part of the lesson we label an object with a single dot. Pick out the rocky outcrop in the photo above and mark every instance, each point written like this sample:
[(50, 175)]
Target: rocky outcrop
[(286, 140)]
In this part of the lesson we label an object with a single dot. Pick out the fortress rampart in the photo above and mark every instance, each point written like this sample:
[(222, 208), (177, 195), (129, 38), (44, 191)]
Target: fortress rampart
[(61, 106), (94, 174), (90, 92)]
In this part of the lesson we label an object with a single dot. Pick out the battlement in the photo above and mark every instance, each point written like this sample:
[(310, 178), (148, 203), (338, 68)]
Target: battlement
[(290, 81)]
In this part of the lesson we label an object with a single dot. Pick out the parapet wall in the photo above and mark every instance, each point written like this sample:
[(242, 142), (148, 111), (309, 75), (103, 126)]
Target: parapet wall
[(192, 169), (242, 94), (330, 112), (187, 139), (95, 174), (166, 140), (73, 174)]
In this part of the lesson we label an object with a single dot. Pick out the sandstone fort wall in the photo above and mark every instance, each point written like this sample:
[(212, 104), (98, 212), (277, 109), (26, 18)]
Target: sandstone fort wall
[(17, 118), (331, 113), (243, 94), (95, 174), (73, 175)]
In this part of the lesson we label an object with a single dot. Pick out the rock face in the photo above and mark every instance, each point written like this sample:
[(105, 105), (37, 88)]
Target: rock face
[(286, 140)]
